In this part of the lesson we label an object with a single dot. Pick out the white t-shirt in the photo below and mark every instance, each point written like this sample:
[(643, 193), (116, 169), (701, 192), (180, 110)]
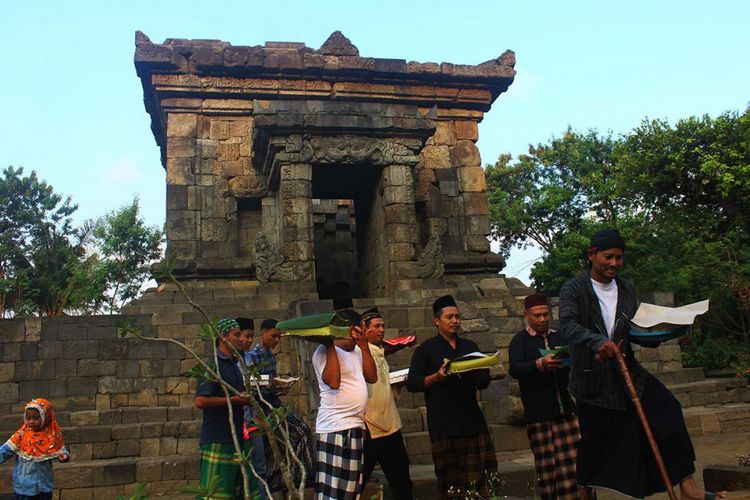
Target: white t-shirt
[(341, 408), (607, 295)]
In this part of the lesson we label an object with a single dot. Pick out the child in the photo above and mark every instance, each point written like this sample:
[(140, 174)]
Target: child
[(36, 443)]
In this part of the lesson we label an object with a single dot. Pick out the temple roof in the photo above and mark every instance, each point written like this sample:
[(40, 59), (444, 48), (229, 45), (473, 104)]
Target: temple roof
[(336, 60)]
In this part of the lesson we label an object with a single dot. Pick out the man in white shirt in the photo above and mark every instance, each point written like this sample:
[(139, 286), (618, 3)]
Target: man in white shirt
[(343, 367), (595, 313)]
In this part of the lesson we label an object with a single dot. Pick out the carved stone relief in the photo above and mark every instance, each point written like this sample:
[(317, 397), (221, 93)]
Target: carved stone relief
[(348, 149), (271, 265)]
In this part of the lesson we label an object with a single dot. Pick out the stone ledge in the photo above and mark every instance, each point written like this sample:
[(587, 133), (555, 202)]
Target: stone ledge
[(726, 477)]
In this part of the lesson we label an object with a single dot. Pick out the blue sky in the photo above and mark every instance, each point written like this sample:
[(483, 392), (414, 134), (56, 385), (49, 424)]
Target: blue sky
[(72, 106)]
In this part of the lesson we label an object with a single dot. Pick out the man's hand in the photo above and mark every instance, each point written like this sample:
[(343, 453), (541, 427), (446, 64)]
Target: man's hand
[(442, 373), (358, 334), (240, 400), (607, 351), (437, 377), (549, 362)]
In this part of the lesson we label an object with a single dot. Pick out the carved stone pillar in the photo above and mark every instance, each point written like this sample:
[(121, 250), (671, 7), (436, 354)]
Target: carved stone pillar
[(400, 224), (296, 230)]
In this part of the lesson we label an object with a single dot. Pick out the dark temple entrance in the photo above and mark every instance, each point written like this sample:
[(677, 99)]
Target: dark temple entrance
[(342, 204)]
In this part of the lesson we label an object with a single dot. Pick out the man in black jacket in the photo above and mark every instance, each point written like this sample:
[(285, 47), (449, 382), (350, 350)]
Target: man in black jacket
[(462, 449), (551, 422), (595, 313)]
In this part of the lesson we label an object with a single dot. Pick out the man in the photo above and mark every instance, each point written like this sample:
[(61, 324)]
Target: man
[(551, 423), (218, 457), (343, 367), (384, 443), (247, 333), (462, 449), (595, 313), (300, 436), (262, 356), (253, 434)]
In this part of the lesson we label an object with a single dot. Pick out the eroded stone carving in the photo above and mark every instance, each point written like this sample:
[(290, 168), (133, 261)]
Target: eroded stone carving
[(270, 264), (338, 45), (429, 264), (354, 149)]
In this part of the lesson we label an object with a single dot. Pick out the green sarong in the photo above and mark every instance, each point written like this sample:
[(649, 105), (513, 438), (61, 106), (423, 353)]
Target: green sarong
[(219, 460)]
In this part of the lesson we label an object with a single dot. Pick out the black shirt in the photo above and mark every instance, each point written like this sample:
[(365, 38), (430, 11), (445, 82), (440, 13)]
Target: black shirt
[(215, 428), (452, 407), (544, 394)]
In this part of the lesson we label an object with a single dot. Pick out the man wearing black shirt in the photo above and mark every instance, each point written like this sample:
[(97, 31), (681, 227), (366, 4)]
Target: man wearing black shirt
[(462, 448), (216, 443), (551, 422)]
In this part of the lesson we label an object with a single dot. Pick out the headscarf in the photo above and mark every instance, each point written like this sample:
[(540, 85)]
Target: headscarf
[(44, 444)]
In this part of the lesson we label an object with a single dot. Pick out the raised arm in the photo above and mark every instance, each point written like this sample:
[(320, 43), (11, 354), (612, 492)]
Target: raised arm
[(369, 369), (331, 373)]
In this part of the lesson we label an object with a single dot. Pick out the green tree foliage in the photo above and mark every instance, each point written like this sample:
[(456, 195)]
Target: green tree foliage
[(127, 247), (679, 195), (49, 267)]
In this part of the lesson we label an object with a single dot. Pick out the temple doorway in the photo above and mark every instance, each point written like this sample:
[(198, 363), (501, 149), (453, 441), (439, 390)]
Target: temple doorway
[(345, 238)]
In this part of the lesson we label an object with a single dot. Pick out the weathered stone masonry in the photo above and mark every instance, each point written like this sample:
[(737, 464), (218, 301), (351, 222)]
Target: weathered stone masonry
[(293, 174)]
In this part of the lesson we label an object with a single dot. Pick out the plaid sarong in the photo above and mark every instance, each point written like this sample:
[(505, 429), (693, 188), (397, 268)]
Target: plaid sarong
[(303, 444), (463, 462), (339, 464), (219, 460), (554, 444)]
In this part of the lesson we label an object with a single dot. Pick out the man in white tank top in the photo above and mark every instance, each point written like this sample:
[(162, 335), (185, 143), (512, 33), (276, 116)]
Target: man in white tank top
[(343, 368)]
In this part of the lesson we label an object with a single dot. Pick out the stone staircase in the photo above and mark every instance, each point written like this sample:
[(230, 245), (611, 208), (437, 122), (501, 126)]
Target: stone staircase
[(128, 415)]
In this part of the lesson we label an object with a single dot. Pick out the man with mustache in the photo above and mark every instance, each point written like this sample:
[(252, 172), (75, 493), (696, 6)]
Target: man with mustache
[(384, 443), (551, 422), (595, 313), (462, 448)]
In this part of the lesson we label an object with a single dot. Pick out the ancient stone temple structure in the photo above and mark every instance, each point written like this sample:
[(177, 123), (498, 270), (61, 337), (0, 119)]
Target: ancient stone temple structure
[(259, 142)]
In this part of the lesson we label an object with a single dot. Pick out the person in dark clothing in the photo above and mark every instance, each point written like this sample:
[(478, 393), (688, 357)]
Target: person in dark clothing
[(462, 448), (551, 423), (218, 453), (595, 313)]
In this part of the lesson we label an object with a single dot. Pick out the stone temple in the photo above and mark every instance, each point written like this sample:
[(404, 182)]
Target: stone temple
[(341, 174), (295, 175)]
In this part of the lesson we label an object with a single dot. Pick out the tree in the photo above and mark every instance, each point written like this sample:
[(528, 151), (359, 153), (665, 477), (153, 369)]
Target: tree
[(127, 247), (700, 167), (679, 195), (48, 267), (552, 190), (38, 262)]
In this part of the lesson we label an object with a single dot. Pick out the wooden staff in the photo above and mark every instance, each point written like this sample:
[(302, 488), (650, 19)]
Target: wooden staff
[(644, 422)]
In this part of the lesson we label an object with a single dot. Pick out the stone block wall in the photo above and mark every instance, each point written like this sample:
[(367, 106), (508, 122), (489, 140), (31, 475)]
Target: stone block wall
[(450, 181), (335, 247), (208, 168)]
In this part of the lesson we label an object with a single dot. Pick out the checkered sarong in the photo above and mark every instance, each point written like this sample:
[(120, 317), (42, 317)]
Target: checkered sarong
[(463, 462), (219, 460), (554, 444), (338, 471)]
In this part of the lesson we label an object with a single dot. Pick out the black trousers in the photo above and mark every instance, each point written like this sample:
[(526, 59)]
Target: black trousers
[(390, 452), (614, 452)]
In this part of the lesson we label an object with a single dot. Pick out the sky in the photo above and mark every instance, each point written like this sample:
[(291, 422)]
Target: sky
[(71, 105)]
